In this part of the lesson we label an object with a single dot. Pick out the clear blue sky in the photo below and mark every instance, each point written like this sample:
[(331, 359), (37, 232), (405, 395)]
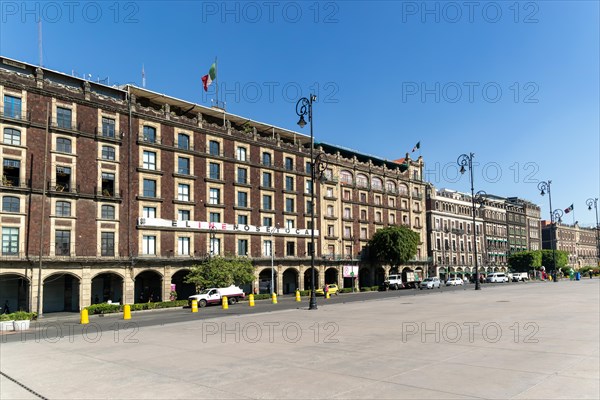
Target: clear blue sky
[(516, 85)]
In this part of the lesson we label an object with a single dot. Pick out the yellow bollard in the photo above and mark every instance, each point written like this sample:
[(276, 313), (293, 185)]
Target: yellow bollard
[(274, 298), (126, 311), (225, 303), (194, 305), (298, 296), (251, 300), (84, 317), (327, 295)]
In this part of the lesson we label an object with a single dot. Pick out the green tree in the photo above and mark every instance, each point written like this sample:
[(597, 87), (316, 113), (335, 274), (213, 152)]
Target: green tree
[(524, 261), (562, 259), (221, 272), (394, 245)]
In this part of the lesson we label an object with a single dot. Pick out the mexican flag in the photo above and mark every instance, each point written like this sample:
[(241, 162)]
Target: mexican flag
[(210, 77), (569, 209), (417, 146)]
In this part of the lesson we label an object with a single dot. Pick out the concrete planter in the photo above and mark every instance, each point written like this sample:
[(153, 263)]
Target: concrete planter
[(7, 326), (21, 325)]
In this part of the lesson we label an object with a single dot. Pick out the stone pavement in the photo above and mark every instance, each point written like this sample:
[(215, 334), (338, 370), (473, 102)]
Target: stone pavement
[(519, 341)]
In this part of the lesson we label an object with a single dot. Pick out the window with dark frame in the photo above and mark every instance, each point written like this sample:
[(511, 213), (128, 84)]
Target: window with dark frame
[(63, 209), (12, 136), (64, 117), (108, 127), (107, 244), (11, 204)]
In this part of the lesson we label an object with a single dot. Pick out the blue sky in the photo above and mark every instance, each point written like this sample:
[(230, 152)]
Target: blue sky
[(515, 83)]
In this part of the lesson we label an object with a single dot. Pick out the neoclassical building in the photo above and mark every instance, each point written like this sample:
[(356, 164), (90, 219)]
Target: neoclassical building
[(579, 242), (113, 193), (502, 226)]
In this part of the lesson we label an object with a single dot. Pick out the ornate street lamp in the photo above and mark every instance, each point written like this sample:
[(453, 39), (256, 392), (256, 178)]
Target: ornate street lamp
[(544, 187), (304, 108), (465, 160), (594, 202)]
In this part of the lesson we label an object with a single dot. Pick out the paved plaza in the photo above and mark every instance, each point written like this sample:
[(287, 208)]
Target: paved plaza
[(517, 341)]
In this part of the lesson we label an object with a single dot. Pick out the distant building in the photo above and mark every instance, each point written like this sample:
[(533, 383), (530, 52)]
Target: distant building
[(579, 242), (503, 226)]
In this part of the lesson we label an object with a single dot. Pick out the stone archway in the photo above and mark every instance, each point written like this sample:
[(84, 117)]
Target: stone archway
[(15, 292), (364, 278), (379, 276), (308, 278), (107, 286), (331, 276), (290, 280), (264, 280), (148, 286), (184, 290), (61, 293)]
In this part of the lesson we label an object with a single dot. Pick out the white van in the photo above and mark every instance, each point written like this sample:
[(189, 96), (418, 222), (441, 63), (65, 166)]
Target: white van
[(497, 277)]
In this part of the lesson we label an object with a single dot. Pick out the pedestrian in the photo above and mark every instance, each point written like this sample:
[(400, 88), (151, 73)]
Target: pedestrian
[(326, 289), (590, 272), (6, 309)]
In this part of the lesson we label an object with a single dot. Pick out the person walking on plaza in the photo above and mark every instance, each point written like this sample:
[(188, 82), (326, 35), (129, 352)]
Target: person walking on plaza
[(591, 273), (6, 309)]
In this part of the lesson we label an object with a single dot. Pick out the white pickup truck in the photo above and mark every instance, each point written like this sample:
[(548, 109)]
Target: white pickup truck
[(520, 276), (214, 296)]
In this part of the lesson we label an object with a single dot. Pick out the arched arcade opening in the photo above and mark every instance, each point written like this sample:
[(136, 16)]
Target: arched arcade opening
[(107, 286), (290, 280), (61, 293), (184, 290), (148, 286), (15, 292)]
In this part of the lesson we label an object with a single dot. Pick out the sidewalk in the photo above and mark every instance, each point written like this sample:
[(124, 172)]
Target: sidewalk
[(509, 342)]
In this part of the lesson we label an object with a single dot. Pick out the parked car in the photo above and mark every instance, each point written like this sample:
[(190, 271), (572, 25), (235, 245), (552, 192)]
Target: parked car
[(454, 282), (497, 277), (333, 289), (430, 283)]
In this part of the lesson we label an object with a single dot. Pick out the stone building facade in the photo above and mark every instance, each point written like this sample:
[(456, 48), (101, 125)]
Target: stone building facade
[(114, 193)]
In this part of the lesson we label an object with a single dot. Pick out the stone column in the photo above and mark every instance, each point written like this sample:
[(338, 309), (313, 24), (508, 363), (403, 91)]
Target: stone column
[(167, 275), (85, 288), (129, 285), (321, 276), (256, 283), (301, 270), (279, 284)]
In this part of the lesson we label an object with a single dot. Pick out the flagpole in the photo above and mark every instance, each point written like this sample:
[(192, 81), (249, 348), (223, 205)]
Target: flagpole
[(217, 80)]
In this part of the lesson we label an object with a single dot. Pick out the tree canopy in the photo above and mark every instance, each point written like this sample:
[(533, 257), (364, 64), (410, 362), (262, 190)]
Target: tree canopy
[(394, 245), (221, 272), (526, 260), (562, 259)]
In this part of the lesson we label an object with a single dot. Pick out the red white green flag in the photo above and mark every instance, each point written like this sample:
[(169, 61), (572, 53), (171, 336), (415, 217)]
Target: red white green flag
[(569, 209), (210, 77)]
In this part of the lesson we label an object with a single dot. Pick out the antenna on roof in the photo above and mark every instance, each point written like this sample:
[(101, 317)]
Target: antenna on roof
[(143, 77), (40, 53)]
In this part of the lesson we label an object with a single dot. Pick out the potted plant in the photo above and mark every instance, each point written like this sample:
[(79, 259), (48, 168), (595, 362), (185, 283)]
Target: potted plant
[(22, 319), (6, 181), (60, 188), (6, 323)]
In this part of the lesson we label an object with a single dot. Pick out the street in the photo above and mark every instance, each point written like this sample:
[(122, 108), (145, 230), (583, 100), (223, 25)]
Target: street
[(531, 340)]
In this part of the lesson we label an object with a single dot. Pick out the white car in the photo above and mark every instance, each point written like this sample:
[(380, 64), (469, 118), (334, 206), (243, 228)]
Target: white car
[(454, 282), (430, 283), (497, 277)]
